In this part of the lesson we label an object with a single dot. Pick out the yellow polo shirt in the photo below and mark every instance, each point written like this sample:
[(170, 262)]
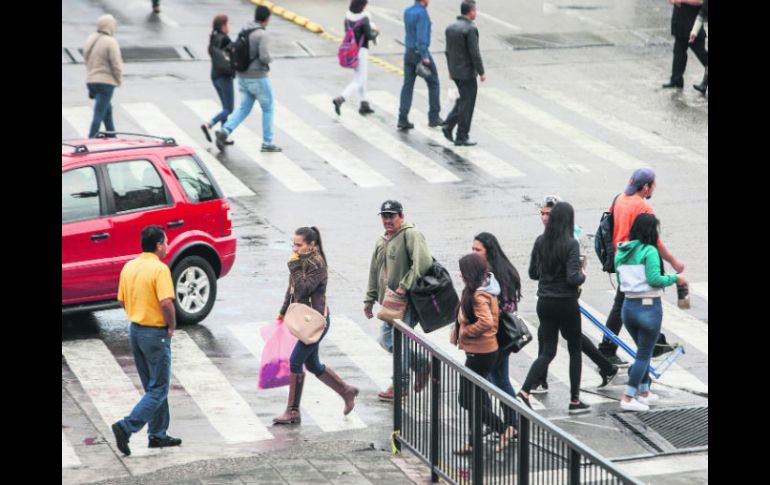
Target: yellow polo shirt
[(144, 282)]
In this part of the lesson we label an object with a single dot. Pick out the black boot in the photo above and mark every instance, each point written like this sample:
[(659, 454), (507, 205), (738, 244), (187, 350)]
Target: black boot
[(703, 86), (337, 103), (365, 109)]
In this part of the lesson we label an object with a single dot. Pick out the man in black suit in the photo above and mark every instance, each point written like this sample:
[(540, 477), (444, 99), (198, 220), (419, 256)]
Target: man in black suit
[(682, 20)]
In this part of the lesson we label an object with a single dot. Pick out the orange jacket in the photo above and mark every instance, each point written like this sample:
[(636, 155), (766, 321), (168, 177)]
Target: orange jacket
[(479, 337)]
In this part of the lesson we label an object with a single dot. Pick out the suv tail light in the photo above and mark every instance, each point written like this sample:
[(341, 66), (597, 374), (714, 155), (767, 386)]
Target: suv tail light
[(227, 222)]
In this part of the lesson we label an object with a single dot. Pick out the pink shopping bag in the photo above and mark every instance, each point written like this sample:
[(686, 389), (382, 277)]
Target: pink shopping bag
[(274, 369)]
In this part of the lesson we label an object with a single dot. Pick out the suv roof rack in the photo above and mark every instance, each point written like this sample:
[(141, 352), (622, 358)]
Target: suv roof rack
[(81, 148)]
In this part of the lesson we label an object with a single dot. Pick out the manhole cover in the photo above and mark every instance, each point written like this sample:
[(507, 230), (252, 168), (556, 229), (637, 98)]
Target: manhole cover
[(138, 54), (564, 40), (667, 430)]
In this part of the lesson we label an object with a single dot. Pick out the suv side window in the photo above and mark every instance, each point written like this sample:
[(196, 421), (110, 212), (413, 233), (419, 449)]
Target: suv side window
[(192, 178), (79, 195), (136, 185)]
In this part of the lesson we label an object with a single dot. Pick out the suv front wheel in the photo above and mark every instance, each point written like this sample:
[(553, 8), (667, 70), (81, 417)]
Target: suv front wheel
[(196, 289)]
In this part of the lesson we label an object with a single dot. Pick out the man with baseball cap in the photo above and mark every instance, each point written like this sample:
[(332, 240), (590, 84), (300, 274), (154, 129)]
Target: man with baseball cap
[(628, 205), (400, 257)]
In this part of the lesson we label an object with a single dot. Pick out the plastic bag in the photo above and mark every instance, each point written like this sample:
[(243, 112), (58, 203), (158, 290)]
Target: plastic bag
[(274, 370)]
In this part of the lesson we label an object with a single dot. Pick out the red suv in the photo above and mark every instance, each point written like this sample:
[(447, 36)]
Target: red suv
[(111, 188)]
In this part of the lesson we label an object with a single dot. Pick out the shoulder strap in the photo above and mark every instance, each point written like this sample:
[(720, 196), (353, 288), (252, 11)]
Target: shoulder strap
[(88, 54), (612, 207)]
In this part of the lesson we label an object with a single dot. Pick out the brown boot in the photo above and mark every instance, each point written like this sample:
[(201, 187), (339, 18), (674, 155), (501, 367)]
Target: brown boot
[(291, 414), (348, 393)]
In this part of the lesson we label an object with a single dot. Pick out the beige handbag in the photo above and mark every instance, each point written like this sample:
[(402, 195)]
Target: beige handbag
[(304, 322), (393, 305)]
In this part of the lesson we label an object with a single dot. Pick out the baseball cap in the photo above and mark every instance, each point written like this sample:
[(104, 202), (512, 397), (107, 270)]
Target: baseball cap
[(391, 207), (550, 201), (640, 177)]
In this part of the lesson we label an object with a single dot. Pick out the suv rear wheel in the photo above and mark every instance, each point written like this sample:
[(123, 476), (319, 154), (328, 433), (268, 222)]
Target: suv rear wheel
[(196, 289)]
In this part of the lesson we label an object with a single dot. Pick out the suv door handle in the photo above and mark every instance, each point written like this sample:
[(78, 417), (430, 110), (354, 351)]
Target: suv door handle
[(97, 237), (176, 223)]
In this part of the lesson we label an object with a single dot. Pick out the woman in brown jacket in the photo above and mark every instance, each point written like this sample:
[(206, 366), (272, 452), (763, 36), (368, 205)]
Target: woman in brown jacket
[(476, 333), (307, 284)]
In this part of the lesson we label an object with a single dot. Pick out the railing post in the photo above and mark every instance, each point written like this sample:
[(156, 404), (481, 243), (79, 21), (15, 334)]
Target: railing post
[(574, 467), (435, 424), (523, 470), (397, 352), (478, 437)]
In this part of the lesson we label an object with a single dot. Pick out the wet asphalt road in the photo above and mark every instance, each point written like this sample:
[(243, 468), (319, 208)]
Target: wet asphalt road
[(575, 104)]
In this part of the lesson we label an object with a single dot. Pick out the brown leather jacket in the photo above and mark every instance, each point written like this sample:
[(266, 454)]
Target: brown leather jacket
[(308, 276), (479, 337)]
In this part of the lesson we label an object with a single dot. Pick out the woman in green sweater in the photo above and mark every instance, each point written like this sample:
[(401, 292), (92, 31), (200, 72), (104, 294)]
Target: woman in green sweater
[(639, 272)]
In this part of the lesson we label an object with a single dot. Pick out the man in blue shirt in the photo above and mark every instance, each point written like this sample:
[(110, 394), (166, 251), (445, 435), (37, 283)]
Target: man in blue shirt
[(417, 28)]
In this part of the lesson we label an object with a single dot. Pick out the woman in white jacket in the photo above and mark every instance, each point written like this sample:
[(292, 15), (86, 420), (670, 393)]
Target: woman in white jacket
[(364, 31)]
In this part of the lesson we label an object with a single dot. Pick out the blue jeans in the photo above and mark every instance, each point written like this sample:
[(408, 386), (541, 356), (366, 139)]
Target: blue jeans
[(643, 323), (251, 90), (152, 355), (308, 355), (411, 59), (224, 87), (498, 376), (409, 358), (101, 93)]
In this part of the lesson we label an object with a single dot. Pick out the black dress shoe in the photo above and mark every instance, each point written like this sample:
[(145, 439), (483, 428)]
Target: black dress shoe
[(447, 131), (405, 125), (670, 85), (229, 142), (121, 438), (205, 130), (164, 442), (465, 143), (436, 122)]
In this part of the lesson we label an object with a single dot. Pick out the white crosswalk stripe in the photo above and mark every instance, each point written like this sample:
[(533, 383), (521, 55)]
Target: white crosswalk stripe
[(387, 143), (694, 331), (362, 349), (319, 402), (155, 122), (492, 165), (79, 117), (654, 142), (227, 411), (580, 138), (68, 456), (701, 289), (276, 164)]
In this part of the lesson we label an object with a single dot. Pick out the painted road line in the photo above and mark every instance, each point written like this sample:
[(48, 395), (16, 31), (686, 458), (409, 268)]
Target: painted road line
[(580, 138), (676, 375), (489, 163), (496, 20), (330, 152), (109, 388), (651, 141), (227, 411), (362, 349), (152, 119), (321, 403), (387, 143), (80, 118), (276, 164), (68, 456), (700, 289), (694, 331), (668, 465)]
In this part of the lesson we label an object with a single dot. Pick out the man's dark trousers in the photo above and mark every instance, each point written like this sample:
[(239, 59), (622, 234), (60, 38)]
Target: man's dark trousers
[(411, 59), (681, 44), (462, 113)]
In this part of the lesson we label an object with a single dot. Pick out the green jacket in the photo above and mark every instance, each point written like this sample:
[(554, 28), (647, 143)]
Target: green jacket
[(638, 268), (408, 259)]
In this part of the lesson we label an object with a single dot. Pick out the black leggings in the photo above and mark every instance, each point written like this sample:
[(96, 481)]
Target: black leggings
[(558, 314), (481, 364)]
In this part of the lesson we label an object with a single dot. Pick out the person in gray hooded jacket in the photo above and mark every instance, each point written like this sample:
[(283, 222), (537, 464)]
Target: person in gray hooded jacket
[(104, 71), (254, 84)]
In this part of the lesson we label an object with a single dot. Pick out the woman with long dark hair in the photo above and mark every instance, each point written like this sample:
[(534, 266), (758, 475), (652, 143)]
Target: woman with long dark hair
[(475, 333), (222, 74), (639, 272), (555, 264), (487, 246), (364, 31), (307, 284)]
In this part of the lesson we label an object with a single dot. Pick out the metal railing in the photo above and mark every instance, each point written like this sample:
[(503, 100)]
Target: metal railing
[(455, 421)]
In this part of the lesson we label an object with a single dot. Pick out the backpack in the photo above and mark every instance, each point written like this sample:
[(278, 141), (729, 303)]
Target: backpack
[(433, 298), (239, 51), (348, 51), (603, 245)]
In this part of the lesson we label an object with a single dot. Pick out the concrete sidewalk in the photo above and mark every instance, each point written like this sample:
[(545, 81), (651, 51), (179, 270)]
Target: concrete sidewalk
[(337, 462)]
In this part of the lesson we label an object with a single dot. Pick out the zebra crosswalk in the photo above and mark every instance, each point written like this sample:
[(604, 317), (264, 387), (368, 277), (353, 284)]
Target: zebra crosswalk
[(561, 135)]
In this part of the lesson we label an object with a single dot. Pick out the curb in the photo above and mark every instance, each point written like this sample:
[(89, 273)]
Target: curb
[(318, 29)]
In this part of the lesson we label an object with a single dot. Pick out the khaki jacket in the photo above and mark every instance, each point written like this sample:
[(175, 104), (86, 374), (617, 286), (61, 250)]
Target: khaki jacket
[(479, 337), (104, 63)]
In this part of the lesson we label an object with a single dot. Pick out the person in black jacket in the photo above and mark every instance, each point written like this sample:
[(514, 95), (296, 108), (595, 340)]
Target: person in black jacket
[(682, 20), (464, 61), (702, 22), (364, 31), (555, 263), (221, 73)]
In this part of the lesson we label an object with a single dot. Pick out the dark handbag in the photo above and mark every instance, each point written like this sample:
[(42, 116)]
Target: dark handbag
[(434, 298), (220, 59), (512, 333)]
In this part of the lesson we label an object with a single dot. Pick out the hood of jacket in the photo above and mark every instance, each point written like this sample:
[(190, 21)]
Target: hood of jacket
[(491, 286), (625, 251), (107, 24)]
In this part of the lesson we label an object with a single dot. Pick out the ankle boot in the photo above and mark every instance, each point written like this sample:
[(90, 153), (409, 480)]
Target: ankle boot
[(337, 103), (365, 109), (291, 414), (703, 84), (348, 393)]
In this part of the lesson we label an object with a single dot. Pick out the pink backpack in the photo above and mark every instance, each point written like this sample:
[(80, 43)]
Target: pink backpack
[(348, 51)]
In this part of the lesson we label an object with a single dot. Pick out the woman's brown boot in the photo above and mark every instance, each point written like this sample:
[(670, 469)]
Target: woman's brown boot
[(291, 414), (348, 393)]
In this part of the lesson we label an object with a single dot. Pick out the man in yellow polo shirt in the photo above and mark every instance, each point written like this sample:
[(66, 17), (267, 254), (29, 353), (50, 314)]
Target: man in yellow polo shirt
[(146, 292)]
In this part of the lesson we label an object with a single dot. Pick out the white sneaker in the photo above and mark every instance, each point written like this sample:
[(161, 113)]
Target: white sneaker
[(633, 405), (647, 400)]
